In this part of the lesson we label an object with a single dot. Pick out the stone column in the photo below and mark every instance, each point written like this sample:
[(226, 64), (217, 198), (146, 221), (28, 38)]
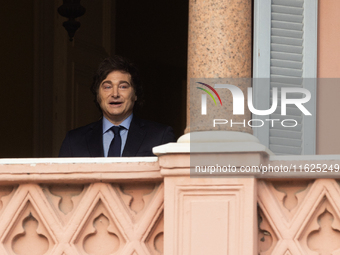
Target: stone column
[(220, 46), (205, 213)]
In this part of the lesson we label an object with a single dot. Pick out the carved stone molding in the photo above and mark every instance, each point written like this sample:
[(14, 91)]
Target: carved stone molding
[(6, 193), (312, 225), (68, 219), (267, 238), (155, 239), (289, 194), (64, 198), (209, 216), (28, 230), (31, 239), (100, 234), (137, 197), (322, 234)]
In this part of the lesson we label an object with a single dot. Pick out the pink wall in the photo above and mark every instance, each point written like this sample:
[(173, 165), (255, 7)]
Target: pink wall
[(328, 39), (328, 114)]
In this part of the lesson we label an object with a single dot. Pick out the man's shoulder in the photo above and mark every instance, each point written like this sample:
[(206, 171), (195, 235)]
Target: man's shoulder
[(154, 131), (148, 124), (85, 129), (144, 135), (78, 142)]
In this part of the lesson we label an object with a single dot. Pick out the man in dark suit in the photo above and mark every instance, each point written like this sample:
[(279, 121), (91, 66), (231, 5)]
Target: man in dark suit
[(116, 87)]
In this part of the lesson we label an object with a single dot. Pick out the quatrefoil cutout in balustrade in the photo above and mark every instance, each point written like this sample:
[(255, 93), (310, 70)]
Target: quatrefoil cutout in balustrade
[(321, 216), (6, 193), (99, 234), (322, 234), (155, 239), (31, 240), (316, 214), (28, 234), (326, 239), (267, 238), (290, 195), (136, 197), (64, 198), (103, 240)]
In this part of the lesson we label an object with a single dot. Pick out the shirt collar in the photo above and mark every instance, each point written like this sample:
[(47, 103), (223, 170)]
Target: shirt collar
[(107, 124)]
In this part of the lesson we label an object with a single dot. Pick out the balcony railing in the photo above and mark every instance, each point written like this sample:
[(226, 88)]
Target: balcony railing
[(152, 206)]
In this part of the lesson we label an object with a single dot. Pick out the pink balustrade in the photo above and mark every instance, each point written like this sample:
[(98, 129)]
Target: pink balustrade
[(152, 206)]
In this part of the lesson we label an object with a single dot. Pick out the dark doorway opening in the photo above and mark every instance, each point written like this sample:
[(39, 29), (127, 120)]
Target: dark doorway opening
[(46, 79)]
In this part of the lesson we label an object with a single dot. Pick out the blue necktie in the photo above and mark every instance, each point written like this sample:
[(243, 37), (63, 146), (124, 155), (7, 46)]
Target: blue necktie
[(116, 144)]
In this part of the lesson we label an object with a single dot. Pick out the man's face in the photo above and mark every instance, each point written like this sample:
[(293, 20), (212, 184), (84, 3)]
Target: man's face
[(116, 96)]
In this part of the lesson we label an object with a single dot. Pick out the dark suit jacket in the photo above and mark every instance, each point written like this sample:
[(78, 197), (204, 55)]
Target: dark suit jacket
[(143, 135)]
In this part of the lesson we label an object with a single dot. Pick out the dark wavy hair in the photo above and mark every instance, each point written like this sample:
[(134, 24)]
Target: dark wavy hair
[(117, 63)]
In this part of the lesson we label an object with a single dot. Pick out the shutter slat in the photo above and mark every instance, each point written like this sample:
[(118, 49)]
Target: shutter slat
[(291, 95), (286, 48), (286, 33), (290, 111), (286, 150), (287, 25), (278, 126), (290, 3), (286, 80), (286, 41), (285, 63), (280, 117), (286, 56), (287, 17), (282, 85), (286, 71), (286, 142), (287, 9), (285, 134)]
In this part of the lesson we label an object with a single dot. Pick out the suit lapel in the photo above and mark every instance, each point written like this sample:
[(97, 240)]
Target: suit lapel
[(135, 138), (95, 139)]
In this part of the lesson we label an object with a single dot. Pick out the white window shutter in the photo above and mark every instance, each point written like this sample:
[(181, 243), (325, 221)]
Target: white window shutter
[(285, 50)]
